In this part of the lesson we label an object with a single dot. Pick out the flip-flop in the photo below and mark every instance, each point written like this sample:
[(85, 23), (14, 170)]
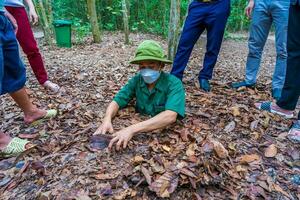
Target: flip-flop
[(14, 148), (267, 106), (294, 137), (50, 114)]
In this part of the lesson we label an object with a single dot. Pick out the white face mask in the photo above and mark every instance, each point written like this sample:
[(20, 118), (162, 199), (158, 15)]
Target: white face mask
[(150, 75)]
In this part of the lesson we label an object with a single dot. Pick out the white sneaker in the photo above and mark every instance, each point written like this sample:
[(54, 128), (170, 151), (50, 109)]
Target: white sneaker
[(51, 86)]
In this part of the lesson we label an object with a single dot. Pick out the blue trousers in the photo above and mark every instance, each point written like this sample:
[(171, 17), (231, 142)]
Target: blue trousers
[(12, 70), (265, 13), (212, 17)]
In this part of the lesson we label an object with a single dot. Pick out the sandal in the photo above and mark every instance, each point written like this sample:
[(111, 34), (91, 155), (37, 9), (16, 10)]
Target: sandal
[(267, 106), (50, 114), (15, 147), (294, 133)]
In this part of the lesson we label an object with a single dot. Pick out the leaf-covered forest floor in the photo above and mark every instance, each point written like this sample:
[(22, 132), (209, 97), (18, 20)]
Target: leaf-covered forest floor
[(223, 149)]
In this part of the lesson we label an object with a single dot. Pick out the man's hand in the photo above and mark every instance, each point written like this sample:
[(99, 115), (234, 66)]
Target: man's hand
[(33, 17), (12, 21), (105, 127), (122, 138), (249, 9)]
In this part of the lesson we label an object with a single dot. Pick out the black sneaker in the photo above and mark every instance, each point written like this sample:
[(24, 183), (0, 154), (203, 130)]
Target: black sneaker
[(204, 85), (237, 85)]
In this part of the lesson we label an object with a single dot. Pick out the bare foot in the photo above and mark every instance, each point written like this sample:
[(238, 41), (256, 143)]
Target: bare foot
[(34, 115), (4, 140)]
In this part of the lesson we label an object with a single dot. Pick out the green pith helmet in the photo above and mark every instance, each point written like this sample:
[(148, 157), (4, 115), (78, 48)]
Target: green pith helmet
[(150, 50)]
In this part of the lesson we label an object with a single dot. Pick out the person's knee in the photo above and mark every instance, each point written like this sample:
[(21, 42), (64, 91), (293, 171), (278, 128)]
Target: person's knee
[(185, 43), (281, 53), (254, 50)]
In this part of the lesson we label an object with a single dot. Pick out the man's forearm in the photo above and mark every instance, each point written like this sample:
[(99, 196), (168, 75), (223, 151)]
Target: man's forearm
[(111, 111), (159, 121), (30, 4)]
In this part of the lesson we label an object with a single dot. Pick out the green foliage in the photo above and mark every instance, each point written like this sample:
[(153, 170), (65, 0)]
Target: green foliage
[(81, 29), (145, 15), (238, 20)]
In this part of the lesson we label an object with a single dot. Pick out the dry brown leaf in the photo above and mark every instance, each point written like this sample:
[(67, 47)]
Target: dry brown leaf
[(232, 146), (208, 147), (236, 111), (137, 160), (191, 150), (271, 151), (240, 168), (166, 148), (249, 158), (184, 135), (220, 149), (165, 184), (188, 172), (264, 185), (279, 189), (254, 125), (124, 194), (147, 175), (230, 127), (102, 176)]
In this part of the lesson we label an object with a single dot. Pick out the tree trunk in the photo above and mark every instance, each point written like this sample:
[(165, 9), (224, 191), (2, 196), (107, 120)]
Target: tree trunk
[(47, 30), (48, 6), (146, 19), (174, 27), (125, 21), (164, 7), (128, 7), (91, 5)]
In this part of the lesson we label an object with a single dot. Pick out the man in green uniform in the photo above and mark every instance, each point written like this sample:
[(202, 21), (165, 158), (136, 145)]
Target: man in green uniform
[(158, 94)]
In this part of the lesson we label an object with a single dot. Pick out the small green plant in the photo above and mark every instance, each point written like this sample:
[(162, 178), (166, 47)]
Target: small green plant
[(80, 29)]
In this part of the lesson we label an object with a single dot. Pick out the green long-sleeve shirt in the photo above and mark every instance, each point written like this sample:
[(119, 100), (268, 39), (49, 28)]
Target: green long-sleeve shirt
[(168, 94)]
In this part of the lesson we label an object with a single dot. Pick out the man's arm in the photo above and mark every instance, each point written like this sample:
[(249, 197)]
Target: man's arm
[(106, 125), (120, 101), (33, 17), (249, 8), (161, 120)]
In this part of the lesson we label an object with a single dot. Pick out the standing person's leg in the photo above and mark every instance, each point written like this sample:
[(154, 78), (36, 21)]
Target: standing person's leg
[(259, 30), (1, 57), (280, 14), (215, 25), (291, 90), (31, 112), (30, 48), (8, 146), (14, 76), (192, 30)]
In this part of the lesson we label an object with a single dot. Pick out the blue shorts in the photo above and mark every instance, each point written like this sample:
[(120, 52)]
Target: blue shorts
[(12, 69)]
